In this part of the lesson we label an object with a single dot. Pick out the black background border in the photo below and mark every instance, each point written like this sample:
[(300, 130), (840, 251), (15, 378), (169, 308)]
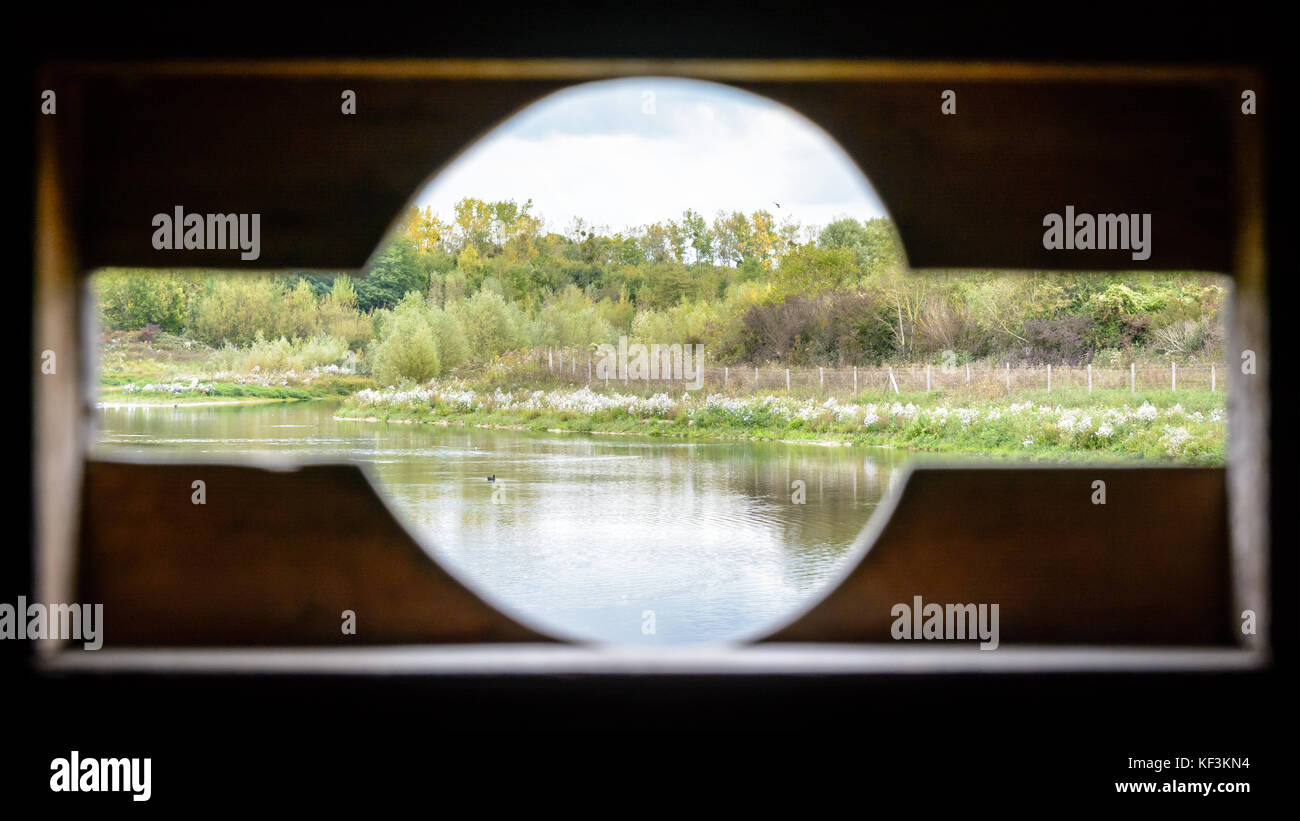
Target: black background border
[(986, 740)]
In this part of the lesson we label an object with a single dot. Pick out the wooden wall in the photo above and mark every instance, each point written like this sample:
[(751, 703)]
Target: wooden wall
[(965, 191)]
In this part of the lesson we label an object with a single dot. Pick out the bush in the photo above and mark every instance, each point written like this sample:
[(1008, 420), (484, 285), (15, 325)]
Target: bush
[(232, 310), (281, 354), (831, 329), (491, 325), (340, 318), (408, 349), (270, 355), (130, 301), (570, 319), (298, 317), (1067, 340), (453, 349), (1190, 337)]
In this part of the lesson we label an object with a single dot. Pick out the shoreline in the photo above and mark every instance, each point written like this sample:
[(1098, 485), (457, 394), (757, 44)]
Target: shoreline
[(199, 403), (983, 428), (954, 449), (460, 423), (1070, 426)]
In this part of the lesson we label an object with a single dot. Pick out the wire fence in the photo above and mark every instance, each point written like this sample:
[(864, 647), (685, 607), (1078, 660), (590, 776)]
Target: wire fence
[(578, 367)]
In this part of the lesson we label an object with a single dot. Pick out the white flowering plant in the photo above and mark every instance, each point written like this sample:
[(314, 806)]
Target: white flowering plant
[(984, 426)]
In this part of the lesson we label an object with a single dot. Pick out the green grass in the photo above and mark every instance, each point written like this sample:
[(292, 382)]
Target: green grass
[(1066, 425), (113, 390)]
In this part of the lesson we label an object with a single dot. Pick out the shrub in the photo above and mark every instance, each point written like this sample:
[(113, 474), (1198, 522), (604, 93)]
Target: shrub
[(130, 301), (233, 309), (1190, 337), (453, 349), (340, 318), (408, 349), (1067, 340), (298, 316), (491, 324)]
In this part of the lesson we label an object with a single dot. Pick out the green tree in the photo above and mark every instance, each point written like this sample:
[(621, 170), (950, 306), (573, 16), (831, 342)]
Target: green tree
[(408, 347), (491, 324), (232, 309), (299, 316), (395, 272), (128, 301)]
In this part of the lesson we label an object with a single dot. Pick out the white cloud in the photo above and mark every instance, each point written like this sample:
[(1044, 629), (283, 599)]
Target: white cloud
[(592, 152)]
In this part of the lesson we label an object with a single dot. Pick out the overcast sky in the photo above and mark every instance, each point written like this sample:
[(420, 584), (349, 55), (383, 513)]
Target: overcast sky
[(623, 153)]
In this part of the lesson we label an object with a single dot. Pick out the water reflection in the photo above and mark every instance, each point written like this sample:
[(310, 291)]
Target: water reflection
[(604, 538)]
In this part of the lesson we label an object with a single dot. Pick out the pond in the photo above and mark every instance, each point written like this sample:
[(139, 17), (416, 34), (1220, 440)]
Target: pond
[(632, 540)]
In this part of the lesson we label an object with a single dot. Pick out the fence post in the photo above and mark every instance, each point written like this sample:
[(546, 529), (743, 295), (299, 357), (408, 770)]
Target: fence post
[(550, 360), (893, 381), (821, 378), (967, 373), (927, 378), (756, 376), (1089, 377), (1173, 376), (855, 384), (787, 379), (1008, 377), (1049, 378), (1132, 377), (588, 371), (1211, 377), (726, 375)]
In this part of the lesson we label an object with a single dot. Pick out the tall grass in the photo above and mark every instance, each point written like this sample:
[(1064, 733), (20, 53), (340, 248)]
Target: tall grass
[(282, 355)]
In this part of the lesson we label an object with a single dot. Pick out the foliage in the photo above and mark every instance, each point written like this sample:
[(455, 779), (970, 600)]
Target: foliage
[(493, 278), (395, 273), (129, 302), (408, 348)]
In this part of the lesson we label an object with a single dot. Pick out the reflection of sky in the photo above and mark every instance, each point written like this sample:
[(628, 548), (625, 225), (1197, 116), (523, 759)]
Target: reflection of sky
[(593, 152), (581, 535)]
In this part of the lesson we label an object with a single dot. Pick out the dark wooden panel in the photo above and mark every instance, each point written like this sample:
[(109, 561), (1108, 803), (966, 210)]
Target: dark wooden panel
[(273, 557), (969, 190), (966, 191), (327, 186), (1150, 566)]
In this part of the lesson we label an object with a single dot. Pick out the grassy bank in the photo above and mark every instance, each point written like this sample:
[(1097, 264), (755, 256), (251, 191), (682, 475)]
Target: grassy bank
[(1187, 427), (195, 390), (169, 370), (1184, 427)]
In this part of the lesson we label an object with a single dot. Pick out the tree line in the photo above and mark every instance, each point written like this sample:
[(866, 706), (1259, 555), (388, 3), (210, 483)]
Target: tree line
[(753, 289)]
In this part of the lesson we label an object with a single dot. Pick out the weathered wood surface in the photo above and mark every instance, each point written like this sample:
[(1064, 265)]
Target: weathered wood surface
[(968, 190), (965, 191), (1150, 566), (273, 558)]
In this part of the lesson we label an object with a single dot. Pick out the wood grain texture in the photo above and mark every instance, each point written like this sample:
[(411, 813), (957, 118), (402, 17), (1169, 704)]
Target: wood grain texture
[(273, 558), (969, 190), (1148, 567)]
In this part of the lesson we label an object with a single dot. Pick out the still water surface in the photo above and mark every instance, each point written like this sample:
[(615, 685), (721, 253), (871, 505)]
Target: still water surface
[(583, 536)]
